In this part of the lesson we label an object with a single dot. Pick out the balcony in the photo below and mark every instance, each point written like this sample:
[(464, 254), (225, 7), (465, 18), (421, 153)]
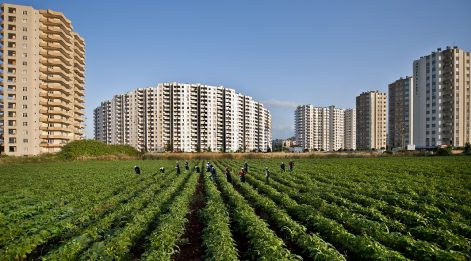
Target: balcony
[(51, 145), (55, 54), (54, 70), (79, 59), (54, 44), (47, 128), (54, 62), (79, 73), (79, 66), (50, 17), (79, 118), (51, 120), (54, 104), (55, 112), (60, 96), (79, 99), (55, 79)]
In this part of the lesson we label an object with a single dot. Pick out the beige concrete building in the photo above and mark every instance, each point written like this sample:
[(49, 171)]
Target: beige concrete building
[(42, 81), (400, 113), (441, 107), (184, 117), (319, 128), (350, 137), (371, 120)]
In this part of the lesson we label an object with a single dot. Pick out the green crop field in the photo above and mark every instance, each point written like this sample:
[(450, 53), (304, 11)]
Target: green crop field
[(327, 209)]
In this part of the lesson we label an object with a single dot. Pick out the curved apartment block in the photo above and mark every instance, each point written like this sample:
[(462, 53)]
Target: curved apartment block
[(42, 81), (184, 117)]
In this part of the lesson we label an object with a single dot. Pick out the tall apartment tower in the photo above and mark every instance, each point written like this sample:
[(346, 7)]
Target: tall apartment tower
[(371, 120), (42, 81), (350, 137), (400, 113), (184, 117), (319, 128), (442, 112)]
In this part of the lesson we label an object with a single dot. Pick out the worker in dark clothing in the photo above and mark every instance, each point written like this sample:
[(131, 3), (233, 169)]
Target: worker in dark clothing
[(246, 167), (137, 170), (187, 166), (213, 173), (177, 168), (162, 170), (197, 169), (291, 166), (208, 167), (242, 174), (228, 175), (267, 175), (282, 167)]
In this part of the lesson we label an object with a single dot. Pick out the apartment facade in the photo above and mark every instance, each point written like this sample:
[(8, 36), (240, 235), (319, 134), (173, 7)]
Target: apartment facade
[(350, 129), (319, 128), (184, 117), (371, 120), (42, 81), (400, 113), (441, 107)]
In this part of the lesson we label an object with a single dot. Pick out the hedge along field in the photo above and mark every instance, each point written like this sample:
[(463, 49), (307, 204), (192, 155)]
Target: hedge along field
[(326, 209)]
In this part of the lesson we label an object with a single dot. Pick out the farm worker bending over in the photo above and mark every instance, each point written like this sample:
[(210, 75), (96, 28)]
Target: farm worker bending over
[(197, 169), (177, 168), (282, 167), (187, 167), (267, 175), (208, 167), (246, 167), (137, 170), (228, 175), (162, 170), (242, 174), (291, 166)]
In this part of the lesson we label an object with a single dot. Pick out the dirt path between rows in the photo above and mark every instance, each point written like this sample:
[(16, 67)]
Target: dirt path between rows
[(191, 247)]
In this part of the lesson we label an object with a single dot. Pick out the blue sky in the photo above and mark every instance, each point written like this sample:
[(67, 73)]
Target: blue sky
[(282, 53)]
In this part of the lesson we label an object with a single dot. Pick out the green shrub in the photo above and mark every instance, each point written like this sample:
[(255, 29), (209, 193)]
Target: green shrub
[(92, 148), (444, 151), (467, 148)]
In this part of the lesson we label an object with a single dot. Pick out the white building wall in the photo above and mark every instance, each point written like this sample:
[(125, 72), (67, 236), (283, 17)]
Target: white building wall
[(184, 117)]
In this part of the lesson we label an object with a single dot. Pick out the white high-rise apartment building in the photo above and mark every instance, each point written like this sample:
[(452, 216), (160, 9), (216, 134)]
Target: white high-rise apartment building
[(350, 137), (42, 81), (319, 128), (184, 117), (441, 109)]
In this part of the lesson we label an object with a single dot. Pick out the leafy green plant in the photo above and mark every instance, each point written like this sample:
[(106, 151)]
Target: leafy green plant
[(93, 148)]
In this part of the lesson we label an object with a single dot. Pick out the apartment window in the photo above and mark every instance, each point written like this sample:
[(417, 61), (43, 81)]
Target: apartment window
[(25, 29), (25, 115), (25, 123), (12, 140), (25, 89), (25, 98), (25, 63), (12, 148), (25, 140), (25, 12), (25, 106), (25, 37), (25, 55)]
